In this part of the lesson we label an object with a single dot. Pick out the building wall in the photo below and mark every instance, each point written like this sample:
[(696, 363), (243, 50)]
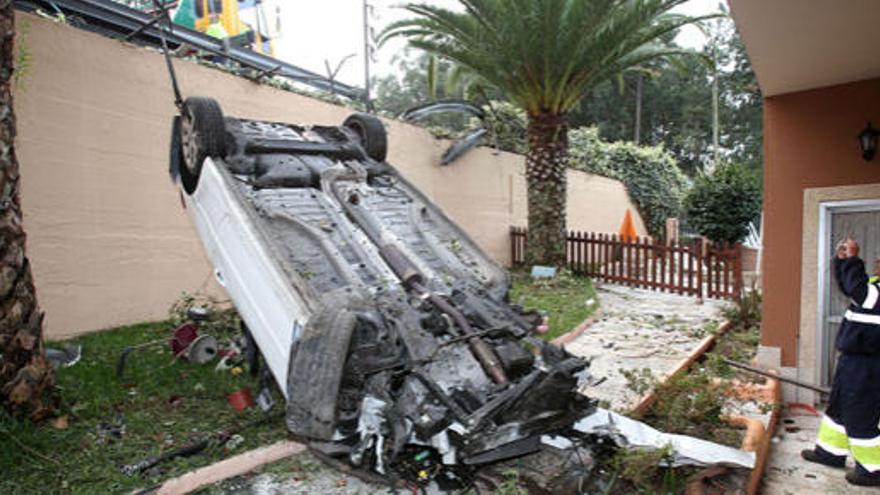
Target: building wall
[(809, 142), (108, 239)]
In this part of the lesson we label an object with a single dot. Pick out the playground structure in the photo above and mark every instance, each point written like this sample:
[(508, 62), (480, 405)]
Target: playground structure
[(242, 22)]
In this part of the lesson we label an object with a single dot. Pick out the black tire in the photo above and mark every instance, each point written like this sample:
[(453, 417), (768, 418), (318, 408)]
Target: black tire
[(202, 135), (175, 158), (371, 133)]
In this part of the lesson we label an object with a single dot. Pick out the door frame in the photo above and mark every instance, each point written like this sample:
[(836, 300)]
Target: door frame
[(826, 210)]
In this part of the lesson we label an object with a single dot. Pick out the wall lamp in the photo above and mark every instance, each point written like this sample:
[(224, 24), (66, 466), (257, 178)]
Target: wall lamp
[(868, 142)]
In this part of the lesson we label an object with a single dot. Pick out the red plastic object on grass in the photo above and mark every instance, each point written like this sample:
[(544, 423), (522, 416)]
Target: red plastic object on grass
[(182, 337), (241, 399)]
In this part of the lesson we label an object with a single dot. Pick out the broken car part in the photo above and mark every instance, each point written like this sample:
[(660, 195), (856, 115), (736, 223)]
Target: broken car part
[(220, 437), (66, 357), (685, 450), (471, 140)]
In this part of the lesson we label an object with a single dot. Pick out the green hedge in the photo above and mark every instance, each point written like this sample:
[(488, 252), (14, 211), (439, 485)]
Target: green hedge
[(655, 183), (721, 205)]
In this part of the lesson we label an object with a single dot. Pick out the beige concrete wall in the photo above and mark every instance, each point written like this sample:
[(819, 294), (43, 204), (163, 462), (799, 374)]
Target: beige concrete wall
[(108, 239)]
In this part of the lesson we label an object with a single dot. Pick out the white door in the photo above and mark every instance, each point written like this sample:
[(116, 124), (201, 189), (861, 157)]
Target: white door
[(859, 221)]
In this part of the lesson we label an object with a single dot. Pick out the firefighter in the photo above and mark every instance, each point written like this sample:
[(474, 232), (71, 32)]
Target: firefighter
[(850, 424)]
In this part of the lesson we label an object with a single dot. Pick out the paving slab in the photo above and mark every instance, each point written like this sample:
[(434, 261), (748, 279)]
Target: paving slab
[(640, 328), (788, 474)]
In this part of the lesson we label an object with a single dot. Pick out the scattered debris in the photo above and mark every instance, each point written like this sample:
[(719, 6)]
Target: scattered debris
[(202, 350), (182, 337), (539, 271), (66, 357), (685, 450), (110, 431), (233, 442), (221, 437), (241, 399), (60, 423)]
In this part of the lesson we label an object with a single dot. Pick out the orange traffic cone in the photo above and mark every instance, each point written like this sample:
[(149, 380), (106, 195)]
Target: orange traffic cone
[(628, 229)]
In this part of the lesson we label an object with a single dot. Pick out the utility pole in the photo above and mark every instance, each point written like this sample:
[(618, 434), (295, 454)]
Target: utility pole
[(715, 123), (367, 49)]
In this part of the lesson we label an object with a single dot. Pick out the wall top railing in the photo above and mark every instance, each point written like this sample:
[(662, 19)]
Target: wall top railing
[(109, 17)]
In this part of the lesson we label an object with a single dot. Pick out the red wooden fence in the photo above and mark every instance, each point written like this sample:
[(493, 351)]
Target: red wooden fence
[(698, 269)]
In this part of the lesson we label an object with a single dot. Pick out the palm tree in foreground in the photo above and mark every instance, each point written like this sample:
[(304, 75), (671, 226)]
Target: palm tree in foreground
[(26, 376), (544, 55)]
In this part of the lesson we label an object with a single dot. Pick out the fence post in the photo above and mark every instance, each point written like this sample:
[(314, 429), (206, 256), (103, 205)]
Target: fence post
[(512, 246), (699, 255), (579, 249), (672, 227), (737, 270)]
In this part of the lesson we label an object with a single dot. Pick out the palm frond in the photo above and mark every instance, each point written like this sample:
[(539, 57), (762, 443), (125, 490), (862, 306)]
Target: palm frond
[(544, 54)]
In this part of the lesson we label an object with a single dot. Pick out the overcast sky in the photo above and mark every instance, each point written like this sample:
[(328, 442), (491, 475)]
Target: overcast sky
[(314, 31)]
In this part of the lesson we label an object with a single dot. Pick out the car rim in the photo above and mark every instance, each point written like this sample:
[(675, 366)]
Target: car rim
[(189, 141)]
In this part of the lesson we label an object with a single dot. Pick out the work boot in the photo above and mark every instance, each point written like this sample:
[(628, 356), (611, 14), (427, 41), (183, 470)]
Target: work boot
[(856, 478), (821, 458)]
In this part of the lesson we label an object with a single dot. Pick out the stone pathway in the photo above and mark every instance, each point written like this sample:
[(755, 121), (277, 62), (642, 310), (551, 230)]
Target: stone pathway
[(638, 329), (788, 474)]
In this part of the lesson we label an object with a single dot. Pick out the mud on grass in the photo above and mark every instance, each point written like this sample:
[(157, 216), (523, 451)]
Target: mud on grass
[(563, 298), (162, 405)]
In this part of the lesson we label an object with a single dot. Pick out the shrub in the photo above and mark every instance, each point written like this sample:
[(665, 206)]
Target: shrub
[(654, 181), (721, 205)]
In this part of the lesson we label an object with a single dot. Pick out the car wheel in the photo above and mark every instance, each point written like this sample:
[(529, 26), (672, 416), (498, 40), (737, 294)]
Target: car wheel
[(202, 135), (371, 134)]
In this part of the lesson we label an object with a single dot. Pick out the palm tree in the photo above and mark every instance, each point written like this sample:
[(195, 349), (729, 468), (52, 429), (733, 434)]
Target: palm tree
[(26, 376), (544, 55)]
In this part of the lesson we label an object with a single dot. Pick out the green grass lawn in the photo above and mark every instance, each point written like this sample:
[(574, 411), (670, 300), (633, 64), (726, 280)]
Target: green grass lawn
[(565, 299), (163, 406)]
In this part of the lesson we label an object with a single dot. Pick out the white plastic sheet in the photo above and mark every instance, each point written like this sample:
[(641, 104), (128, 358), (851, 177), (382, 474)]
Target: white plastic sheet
[(685, 450)]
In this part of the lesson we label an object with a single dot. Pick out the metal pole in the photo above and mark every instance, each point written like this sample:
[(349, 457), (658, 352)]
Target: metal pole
[(637, 136), (367, 103), (715, 120), (792, 381)]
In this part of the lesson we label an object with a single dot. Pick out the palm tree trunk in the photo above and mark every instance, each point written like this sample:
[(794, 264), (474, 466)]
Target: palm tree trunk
[(26, 376), (546, 181)]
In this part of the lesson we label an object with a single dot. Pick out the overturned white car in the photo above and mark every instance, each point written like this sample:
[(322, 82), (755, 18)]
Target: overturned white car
[(385, 326)]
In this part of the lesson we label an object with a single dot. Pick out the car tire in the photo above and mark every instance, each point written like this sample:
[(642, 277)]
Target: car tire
[(371, 134), (175, 156), (202, 135)]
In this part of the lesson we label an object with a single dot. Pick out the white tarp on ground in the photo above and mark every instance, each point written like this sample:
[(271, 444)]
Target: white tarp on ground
[(685, 450)]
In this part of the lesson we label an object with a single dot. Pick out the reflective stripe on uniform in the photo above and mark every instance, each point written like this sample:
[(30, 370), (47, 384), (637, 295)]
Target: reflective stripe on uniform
[(866, 451), (832, 437), (861, 317), (871, 298)]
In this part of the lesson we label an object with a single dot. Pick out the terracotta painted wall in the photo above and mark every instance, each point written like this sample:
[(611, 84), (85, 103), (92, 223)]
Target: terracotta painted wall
[(809, 141), (109, 241)]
